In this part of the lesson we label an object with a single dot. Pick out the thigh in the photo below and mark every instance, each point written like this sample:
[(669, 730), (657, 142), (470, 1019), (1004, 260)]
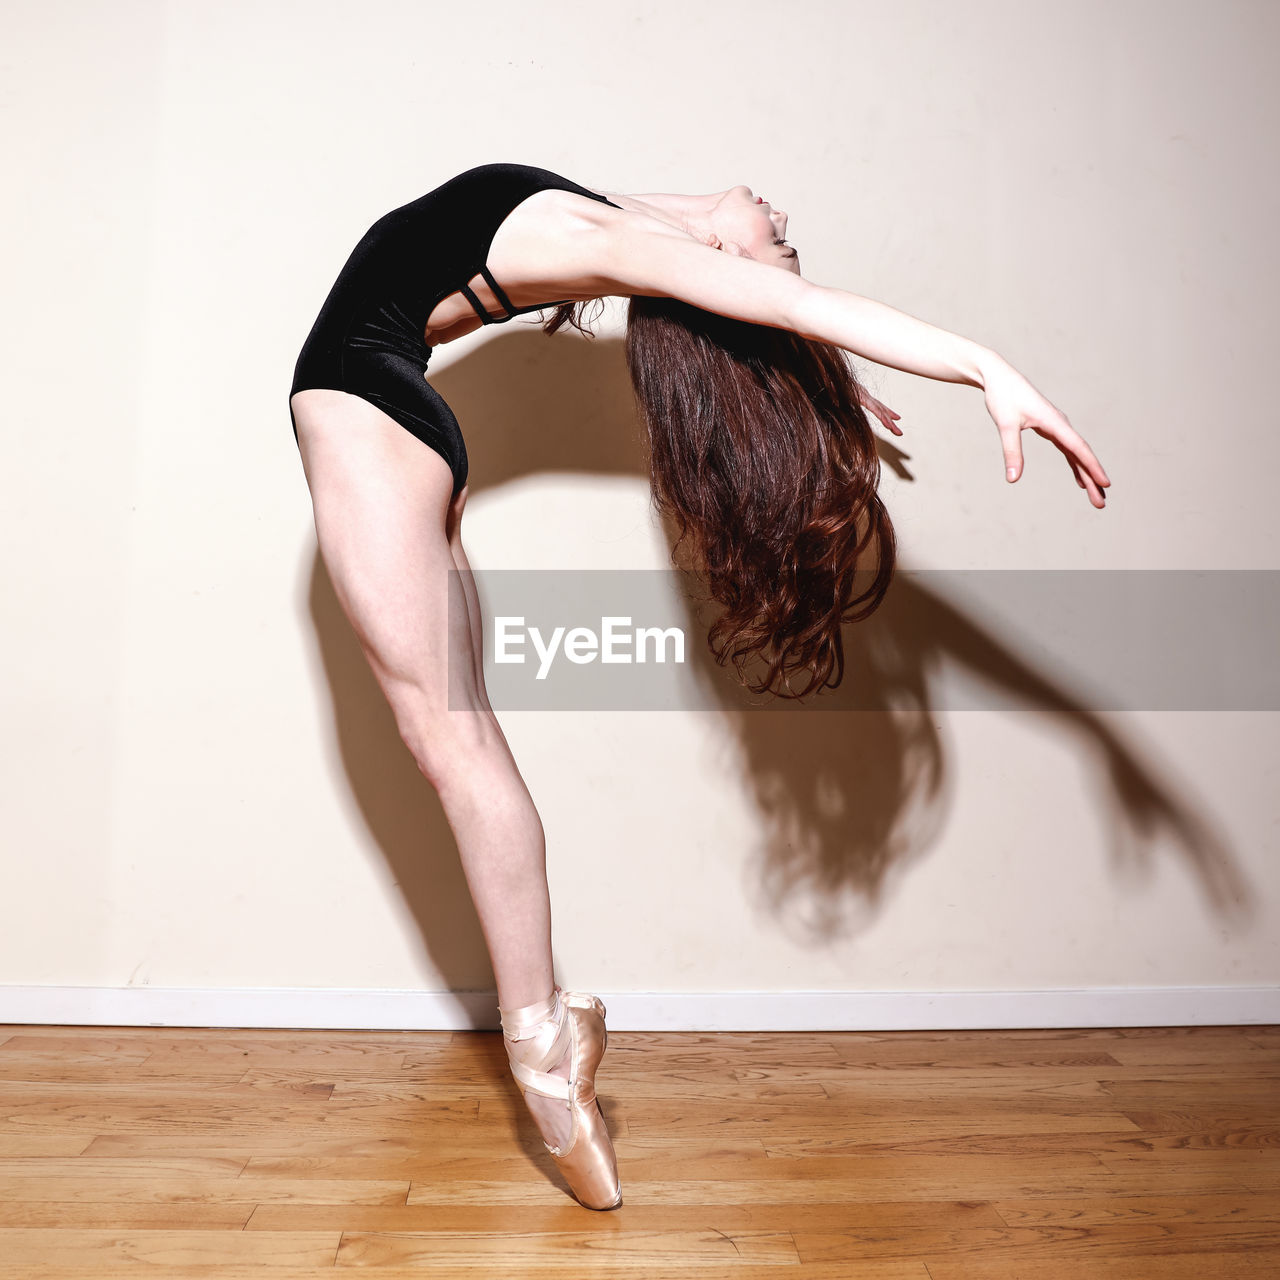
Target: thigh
[(473, 609), (384, 519)]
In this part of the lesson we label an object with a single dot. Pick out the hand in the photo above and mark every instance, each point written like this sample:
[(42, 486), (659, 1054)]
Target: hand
[(1014, 405), (882, 411)]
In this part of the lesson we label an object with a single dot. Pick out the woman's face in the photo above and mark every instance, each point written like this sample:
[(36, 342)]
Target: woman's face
[(743, 219)]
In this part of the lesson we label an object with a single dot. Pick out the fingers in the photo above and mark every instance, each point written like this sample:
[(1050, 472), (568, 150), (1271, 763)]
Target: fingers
[(1088, 471), (1087, 483), (1083, 478), (1096, 496), (1081, 449), (1093, 467), (1067, 454), (882, 411), (1013, 418), (1011, 441), (1084, 464), (1085, 467)]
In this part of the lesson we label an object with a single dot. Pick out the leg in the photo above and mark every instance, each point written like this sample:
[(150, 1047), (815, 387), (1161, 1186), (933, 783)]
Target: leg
[(389, 536), (553, 1119), (381, 498), (454, 530), (384, 527)]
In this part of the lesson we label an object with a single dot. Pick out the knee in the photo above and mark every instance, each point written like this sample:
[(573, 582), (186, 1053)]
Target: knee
[(448, 745)]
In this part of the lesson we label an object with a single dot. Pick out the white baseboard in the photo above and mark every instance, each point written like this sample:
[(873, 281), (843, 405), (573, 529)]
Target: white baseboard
[(313, 1008)]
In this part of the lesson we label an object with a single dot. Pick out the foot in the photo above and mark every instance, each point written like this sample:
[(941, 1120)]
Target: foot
[(538, 1026), (545, 1042), (550, 1114)]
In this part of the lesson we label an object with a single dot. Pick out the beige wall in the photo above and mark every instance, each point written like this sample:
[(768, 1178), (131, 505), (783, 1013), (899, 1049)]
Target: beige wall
[(202, 788)]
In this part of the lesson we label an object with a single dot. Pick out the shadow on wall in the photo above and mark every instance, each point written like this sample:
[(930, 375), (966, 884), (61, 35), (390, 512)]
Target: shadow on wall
[(846, 802)]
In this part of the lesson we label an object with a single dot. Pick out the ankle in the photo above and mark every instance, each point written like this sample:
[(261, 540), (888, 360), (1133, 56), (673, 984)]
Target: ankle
[(527, 1020), (520, 1011)]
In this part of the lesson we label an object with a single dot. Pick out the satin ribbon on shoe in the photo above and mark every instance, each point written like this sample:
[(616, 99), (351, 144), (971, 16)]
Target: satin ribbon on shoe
[(572, 1020)]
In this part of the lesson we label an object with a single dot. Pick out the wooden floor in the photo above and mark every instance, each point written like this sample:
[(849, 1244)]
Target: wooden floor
[(1147, 1154)]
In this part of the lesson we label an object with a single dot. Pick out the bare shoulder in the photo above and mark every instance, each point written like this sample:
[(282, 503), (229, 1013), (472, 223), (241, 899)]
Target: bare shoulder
[(564, 244), (560, 240), (669, 208)]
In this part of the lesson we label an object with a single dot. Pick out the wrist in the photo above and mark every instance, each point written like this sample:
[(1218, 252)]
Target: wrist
[(982, 364)]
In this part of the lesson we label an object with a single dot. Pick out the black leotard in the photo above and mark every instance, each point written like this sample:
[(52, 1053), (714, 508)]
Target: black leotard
[(369, 338)]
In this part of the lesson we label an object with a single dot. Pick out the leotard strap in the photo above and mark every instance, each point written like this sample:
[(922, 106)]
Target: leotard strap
[(498, 292), (470, 296)]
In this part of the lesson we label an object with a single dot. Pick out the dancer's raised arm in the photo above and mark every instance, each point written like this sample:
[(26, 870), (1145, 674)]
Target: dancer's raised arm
[(678, 266), (639, 259)]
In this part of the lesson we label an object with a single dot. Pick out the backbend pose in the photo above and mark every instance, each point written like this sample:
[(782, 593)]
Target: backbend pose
[(760, 448)]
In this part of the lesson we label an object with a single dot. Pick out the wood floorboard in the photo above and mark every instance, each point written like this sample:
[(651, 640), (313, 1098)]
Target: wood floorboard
[(1147, 1153)]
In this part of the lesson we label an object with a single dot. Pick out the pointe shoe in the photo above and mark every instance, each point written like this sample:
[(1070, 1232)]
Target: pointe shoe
[(537, 1037)]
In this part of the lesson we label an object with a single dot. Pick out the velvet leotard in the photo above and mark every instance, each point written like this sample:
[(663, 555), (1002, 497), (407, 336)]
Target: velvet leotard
[(369, 338)]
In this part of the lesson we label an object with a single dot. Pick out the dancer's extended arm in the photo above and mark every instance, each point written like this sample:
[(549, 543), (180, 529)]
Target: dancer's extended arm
[(639, 261)]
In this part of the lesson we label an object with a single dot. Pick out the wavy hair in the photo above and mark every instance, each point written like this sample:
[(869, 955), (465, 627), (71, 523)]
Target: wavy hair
[(763, 457)]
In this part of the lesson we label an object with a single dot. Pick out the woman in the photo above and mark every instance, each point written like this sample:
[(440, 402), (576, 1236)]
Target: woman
[(760, 448)]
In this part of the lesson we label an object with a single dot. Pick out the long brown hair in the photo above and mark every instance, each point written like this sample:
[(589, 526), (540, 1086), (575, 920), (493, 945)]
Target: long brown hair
[(763, 456)]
